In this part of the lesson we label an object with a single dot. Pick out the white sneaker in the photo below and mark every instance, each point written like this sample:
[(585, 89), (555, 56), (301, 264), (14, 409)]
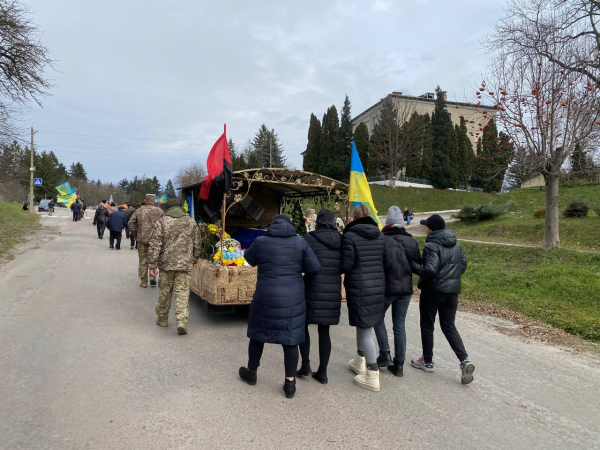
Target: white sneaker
[(358, 365), (369, 381)]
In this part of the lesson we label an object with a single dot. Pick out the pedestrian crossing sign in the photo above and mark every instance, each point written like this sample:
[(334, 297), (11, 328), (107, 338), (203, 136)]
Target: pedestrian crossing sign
[(37, 181)]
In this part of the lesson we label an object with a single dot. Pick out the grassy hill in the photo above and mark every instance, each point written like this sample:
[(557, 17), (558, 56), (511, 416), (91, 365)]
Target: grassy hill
[(422, 200), (526, 200), (15, 225)]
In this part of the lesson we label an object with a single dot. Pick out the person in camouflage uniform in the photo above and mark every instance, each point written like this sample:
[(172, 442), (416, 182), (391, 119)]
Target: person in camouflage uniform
[(141, 224), (174, 249)]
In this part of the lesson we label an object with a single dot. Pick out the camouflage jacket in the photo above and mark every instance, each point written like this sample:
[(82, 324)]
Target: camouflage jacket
[(141, 223), (175, 242)]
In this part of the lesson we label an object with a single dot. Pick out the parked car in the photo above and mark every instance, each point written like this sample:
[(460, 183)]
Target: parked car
[(43, 206)]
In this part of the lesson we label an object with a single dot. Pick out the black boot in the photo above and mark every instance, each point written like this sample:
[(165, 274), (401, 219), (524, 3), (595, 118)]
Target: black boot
[(384, 359), (321, 376), (304, 370), (248, 375), (289, 387), (398, 368)]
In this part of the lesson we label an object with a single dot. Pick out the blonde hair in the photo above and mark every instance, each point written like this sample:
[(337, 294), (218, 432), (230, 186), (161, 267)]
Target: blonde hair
[(361, 211)]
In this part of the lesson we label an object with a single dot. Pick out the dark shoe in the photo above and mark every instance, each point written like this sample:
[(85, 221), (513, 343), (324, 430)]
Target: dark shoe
[(397, 368), (248, 375), (111, 248), (384, 359), (118, 248), (305, 370), (321, 376), (289, 387)]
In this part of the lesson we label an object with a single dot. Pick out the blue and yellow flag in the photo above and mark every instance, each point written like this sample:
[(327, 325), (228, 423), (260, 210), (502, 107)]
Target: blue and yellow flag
[(359, 191)]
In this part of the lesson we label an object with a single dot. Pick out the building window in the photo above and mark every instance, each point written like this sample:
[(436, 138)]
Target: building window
[(374, 120)]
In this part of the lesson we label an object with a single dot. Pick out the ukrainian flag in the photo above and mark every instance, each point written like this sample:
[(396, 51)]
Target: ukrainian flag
[(359, 191)]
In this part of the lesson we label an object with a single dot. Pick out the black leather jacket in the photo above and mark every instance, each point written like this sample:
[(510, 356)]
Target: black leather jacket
[(443, 264)]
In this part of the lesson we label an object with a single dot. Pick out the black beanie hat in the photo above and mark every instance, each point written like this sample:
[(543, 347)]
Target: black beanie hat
[(434, 223)]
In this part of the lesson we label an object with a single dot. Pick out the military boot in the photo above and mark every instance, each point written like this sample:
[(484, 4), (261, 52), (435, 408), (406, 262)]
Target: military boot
[(163, 321), (144, 284), (182, 326)]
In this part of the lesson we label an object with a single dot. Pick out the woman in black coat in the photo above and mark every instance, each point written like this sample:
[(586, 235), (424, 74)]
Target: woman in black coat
[(323, 292), (278, 312), (363, 262)]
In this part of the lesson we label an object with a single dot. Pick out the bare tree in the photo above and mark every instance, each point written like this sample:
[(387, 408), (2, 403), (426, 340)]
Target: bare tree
[(393, 136), (23, 60), (545, 109), (191, 173), (542, 25)]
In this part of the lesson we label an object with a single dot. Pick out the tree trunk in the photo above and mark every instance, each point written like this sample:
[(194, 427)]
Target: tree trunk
[(551, 236)]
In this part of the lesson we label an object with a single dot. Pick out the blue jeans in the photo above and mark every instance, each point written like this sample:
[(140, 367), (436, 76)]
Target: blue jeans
[(408, 219), (399, 305)]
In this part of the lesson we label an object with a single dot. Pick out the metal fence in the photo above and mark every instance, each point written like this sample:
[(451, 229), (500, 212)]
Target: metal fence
[(402, 178)]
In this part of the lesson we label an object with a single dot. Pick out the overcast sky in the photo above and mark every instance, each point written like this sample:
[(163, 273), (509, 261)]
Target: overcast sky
[(163, 76)]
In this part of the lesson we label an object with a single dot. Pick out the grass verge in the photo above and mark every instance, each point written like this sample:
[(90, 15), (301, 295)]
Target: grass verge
[(560, 287), (15, 225), (526, 200), (582, 233)]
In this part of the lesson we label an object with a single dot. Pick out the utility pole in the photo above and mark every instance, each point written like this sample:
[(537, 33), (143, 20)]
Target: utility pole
[(31, 169), (270, 152)]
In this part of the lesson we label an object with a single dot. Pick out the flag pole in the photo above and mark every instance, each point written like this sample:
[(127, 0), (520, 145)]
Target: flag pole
[(223, 212)]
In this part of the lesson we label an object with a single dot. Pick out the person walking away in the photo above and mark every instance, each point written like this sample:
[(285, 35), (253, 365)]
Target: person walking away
[(100, 218), (83, 210), (141, 224), (130, 210), (323, 292), (51, 207), (112, 208), (402, 249), (76, 208), (278, 310), (174, 249), (116, 222), (408, 215), (363, 258), (443, 264)]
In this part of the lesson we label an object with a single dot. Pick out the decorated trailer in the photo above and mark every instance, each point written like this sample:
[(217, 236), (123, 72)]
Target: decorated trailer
[(222, 278)]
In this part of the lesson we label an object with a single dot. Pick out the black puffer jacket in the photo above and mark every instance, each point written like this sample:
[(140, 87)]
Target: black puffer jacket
[(363, 255), (444, 262), (323, 292), (278, 311), (101, 215), (402, 250)]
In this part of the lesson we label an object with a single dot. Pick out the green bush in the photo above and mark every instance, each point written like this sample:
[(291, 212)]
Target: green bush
[(576, 209), (539, 212), (485, 211)]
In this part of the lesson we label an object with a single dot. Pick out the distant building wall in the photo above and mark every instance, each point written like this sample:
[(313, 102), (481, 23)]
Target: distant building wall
[(535, 181)]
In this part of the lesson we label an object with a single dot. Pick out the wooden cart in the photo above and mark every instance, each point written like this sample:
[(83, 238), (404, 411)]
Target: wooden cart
[(257, 196)]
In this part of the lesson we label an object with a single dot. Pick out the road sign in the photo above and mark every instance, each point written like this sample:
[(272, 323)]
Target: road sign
[(37, 181)]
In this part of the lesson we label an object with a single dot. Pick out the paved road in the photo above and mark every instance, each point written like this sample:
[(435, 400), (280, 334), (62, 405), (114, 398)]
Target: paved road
[(83, 366)]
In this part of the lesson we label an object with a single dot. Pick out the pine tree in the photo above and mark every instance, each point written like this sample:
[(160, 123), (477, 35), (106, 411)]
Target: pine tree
[(267, 148), (443, 175), (579, 167), (414, 154), (427, 148), (342, 159), (77, 171), (155, 185), (453, 151), (329, 142), (500, 160), (361, 139), (385, 144), (465, 151), (237, 160), (170, 190), (311, 162)]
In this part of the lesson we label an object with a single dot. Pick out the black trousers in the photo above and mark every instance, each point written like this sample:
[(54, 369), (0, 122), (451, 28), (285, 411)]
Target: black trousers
[(446, 304), (100, 227), (290, 357), (75, 216), (115, 235), (324, 347)]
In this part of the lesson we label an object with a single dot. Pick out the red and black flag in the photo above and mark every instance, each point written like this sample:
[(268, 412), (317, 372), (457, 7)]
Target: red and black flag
[(220, 168)]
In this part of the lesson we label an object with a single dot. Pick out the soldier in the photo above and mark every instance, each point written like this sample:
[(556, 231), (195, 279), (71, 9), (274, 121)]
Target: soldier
[(140, 225), (174, 249)]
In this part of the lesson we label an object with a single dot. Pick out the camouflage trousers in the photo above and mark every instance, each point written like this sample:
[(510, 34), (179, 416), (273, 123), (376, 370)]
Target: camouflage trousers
[(143, 265), (173, 282)]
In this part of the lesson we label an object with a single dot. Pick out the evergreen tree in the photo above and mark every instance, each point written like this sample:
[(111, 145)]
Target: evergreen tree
[(414, 154), (50, 169), (311, 162), (361, 139), (237, 160), (77, 171), (579, 167), (342, 156), (155, 185), (124, 184), (443, 174), (465, 151), (329, 142), (170, 190), (500, 160), (386, 139), (427, 148), (267, 148)]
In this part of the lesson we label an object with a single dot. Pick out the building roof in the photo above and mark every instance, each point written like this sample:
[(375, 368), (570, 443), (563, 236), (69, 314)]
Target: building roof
[(421, 98)]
